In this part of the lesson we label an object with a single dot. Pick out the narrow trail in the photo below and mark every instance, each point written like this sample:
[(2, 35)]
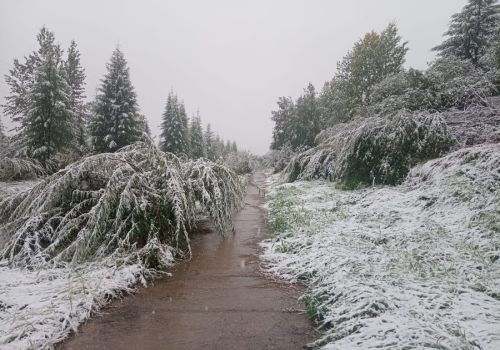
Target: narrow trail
[(217, 300)]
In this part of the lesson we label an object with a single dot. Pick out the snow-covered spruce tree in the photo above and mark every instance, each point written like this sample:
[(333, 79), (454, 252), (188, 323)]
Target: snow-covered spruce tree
[(471, 31), (47, 126), (20, 80), (234, 147), (75, 76), (209, 140), (174, 130), (136, 205), (218, 147), (39, 101), (227, 148), (115, 122), (197, 144), (185, 127)]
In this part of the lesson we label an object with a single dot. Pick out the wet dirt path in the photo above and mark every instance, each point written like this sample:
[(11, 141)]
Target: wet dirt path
[(217, 300)]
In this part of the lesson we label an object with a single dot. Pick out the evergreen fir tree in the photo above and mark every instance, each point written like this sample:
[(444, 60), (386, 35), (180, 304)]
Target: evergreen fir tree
[(185, 128), (115, 123), (75, 76), (218, 147), (234, 147), (197, 145), (210, 143), (40, 100), (20, 80), (173, 127), (227, 148), (471, 31)]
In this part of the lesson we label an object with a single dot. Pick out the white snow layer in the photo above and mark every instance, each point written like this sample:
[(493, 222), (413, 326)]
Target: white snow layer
[(414, 266), (40, 308)]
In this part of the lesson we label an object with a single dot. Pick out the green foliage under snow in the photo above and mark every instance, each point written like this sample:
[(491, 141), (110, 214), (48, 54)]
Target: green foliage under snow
[(134, 204), (12, 169), (376, 150)]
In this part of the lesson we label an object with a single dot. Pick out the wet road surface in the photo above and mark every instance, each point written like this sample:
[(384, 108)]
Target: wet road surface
[(217, 300)]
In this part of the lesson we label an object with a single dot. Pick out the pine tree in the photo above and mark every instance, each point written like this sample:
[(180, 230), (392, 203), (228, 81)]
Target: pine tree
[(227, 148), (185, 128), (197, 145), (20, 80), (234, 147), (115, 123), (218, 146), (173, 127), (471, 30), (39, 101), (210, 143), (75, 76)]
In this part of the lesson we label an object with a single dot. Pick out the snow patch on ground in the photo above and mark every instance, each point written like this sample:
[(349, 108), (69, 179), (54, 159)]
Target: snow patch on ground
[(412, 266), (38, 309)]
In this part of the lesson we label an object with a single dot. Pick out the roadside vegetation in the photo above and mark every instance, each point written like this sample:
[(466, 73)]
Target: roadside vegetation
[(386, 198)]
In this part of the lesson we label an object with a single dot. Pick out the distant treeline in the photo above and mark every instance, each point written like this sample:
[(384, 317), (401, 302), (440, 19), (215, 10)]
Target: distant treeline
[(55, 125)]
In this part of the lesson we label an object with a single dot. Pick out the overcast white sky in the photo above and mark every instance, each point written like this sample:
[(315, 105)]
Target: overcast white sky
[(230, 59)]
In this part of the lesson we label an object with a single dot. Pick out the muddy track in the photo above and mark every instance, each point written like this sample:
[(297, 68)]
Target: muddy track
[(217, 300)]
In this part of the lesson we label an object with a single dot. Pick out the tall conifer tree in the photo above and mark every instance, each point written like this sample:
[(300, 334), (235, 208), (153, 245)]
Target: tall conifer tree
[(471, 30), (210, 147), (115, 122), (197, 145), (75, 76), (174, 127)]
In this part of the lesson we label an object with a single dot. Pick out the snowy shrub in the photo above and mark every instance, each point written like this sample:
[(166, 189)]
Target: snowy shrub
[(475, 125), (12, 169), (458, 83), (373, 150), (448, 83), (410, 90), (135, 203)]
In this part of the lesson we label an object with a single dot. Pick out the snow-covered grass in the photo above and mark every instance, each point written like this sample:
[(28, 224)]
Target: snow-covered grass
[(408, 267), (40, 308)]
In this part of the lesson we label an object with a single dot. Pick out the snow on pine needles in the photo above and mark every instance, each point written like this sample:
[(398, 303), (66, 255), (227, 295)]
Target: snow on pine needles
[(412, 266)]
